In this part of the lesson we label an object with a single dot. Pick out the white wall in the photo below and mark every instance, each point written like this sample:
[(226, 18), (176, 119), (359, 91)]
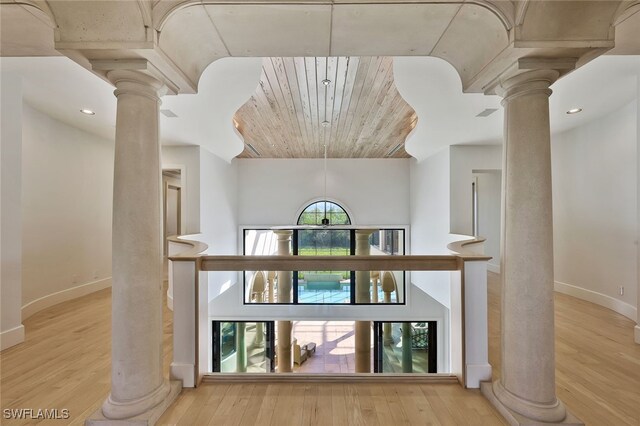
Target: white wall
[(637, 328), (489, 202), (272, 191), (429, 210), (595, 210), (187, 159), (218, 202), (465, 160), (218, 213), (67, 177), (11, 329)]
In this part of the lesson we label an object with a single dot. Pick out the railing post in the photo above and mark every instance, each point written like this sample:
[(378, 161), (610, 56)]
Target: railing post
[(476, 334), (183, 366)]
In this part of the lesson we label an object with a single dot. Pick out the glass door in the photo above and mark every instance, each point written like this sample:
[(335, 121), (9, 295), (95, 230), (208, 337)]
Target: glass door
[(243, 347), (405, 347)]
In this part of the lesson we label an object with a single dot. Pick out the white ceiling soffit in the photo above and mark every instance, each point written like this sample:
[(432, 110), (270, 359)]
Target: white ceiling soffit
[(600, 87), (60, 88), (206, 118), (446, 116)]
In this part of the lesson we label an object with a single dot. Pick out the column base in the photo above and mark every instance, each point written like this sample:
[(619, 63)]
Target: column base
[(636, 333), (517, 419), (148, 418)]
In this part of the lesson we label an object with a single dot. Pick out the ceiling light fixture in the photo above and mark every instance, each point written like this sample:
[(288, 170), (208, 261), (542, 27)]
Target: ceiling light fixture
[(325, 123), (87, 111), (326, 82), (574, 110)]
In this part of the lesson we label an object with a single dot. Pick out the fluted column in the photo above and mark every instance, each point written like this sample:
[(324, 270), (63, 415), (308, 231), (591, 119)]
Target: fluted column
[(285, 361), (527, 382), (363, 295), (137, 382)]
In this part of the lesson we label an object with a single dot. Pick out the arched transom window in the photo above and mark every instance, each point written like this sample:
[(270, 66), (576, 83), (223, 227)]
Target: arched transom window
[(315, 212)]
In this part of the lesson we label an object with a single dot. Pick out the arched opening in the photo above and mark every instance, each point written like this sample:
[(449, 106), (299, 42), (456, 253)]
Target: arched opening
[(316, 212)]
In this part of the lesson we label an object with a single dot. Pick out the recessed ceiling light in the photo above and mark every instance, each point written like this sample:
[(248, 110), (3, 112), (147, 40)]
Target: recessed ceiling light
[(325, 123), (574, 110), (326, 82), (87, 111)]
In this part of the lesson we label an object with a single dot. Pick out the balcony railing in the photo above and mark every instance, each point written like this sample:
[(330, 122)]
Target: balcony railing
[(468, 308)]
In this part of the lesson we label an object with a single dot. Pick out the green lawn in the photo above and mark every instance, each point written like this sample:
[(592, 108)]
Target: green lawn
[(323, 251)]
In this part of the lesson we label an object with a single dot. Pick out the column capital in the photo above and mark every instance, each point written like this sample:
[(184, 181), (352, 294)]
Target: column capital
[(527, 83), (283, 234), (136, 76), (364, 233), (135, 82)]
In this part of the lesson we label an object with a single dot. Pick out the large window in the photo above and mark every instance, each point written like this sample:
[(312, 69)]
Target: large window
[(314, 213), (323, 286), (312, 237)]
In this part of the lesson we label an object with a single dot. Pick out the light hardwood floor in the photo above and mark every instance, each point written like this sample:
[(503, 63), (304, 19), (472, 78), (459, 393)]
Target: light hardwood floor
[(66, 359)]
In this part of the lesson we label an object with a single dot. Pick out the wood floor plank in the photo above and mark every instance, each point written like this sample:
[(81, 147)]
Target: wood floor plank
[(383, 412), (251, 414), (339, 413), (65, 362)]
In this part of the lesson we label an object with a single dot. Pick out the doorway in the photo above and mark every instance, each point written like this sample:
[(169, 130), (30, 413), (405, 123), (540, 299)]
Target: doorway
[(172, 205)]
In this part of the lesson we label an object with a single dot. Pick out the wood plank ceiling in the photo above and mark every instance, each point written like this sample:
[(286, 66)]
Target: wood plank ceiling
[(364, 115)]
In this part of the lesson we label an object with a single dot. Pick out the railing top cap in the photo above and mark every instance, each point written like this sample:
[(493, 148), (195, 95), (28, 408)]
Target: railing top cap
[(349, 263)]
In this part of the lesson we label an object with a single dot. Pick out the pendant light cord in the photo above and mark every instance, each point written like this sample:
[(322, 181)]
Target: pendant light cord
[(325, 183)]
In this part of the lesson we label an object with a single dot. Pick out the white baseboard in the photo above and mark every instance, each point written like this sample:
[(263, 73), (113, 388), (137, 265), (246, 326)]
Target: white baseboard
[(11, 337), (62, 296), (636, 334), (184, 372), (598, 298), (170, 302), (477, 373), (493, 268)]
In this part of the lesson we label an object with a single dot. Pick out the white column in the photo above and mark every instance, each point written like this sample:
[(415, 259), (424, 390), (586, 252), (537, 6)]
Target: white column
[(137, 382), (363, 295), (285, 360), (527, 382)]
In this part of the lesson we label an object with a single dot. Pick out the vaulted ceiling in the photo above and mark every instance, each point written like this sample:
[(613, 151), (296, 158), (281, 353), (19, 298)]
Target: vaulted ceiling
[(349, 104)]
